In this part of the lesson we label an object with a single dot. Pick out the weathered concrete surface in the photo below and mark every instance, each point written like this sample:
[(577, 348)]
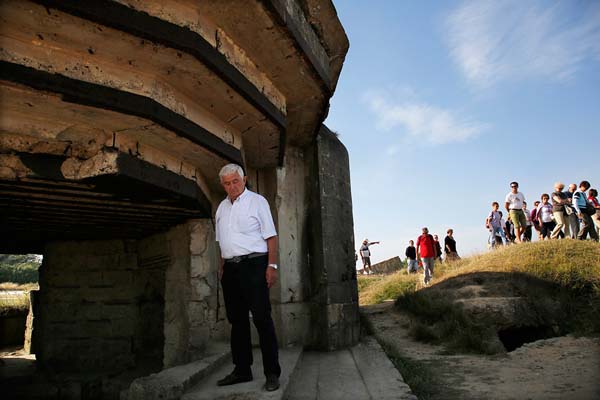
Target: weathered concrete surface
[(207, 389), (334, 292), (388, 266), (91, 297), (363, 372), (192, 317), (172, 383)]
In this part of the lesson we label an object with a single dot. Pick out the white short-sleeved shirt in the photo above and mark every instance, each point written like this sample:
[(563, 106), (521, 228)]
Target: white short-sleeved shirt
[(244, 226), (515, 200)]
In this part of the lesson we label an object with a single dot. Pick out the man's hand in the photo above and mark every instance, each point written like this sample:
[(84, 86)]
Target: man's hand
[(220, 273), (271, 276)]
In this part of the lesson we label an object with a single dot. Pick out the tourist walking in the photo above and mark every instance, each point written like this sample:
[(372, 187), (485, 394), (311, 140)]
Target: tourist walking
[(593, 199), (494, 225), (545, 216), (572, 226), (411, 257), (514, 205), (365, 254), (438, 248), (535, 220), (527, 233), (584, 210), (248, 270), (426, 253), (450, 246), (559, 201)]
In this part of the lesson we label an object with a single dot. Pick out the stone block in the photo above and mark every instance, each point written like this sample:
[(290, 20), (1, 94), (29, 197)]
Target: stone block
[(388, 266), (116, 278), (201, 235), (201, 267), (198, 313), (200, 289)]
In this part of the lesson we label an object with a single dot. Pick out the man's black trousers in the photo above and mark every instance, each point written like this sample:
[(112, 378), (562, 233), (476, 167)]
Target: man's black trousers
[(245, 290)]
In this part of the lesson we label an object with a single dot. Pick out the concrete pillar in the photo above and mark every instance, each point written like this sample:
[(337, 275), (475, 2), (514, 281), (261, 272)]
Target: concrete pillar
[(194, 312), (334, 291), (290, 295)]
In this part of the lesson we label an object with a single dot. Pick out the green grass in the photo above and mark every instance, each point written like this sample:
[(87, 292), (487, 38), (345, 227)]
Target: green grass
[(562, 272), (14, 304), (19, 268)]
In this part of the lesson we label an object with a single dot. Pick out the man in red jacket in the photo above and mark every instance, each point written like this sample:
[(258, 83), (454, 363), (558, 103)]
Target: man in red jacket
[(426, 252)]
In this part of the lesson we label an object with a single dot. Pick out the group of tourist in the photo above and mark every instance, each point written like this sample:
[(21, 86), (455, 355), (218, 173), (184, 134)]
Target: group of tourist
[(574, 213), (428, 250)]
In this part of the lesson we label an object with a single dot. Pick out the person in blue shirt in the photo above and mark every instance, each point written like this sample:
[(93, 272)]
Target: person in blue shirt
[(581, 205)]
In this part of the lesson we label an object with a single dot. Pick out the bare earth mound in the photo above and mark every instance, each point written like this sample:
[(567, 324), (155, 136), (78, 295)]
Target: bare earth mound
[(558, 368)]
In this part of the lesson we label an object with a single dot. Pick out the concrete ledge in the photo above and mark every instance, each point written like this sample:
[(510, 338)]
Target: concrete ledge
[(172, 383), (208, 389), (382, 379)]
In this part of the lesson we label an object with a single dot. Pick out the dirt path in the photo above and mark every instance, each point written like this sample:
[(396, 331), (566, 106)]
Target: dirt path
[(558, 368)]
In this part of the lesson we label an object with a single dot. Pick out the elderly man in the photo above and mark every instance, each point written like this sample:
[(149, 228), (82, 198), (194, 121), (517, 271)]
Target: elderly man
[(426, 252), (248, 242), (514, 205), (559, 200)]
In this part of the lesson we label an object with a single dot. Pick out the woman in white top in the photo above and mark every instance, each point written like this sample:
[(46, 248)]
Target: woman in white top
[(545, 216)]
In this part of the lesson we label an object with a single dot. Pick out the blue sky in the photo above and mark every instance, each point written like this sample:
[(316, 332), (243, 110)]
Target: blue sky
[(442, 104)]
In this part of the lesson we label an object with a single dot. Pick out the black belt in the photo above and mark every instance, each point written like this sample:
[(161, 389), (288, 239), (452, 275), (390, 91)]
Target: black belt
[(238, 259)]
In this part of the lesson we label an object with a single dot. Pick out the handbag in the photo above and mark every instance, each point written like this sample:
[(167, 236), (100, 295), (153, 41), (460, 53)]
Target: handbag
[(589, 209), (569, 210)]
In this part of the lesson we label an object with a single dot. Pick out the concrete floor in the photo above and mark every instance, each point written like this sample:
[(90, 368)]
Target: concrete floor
[(363, 372)]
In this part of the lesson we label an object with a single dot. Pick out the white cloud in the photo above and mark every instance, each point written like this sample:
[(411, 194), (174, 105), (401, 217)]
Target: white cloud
[(493, 40), (421, 121)]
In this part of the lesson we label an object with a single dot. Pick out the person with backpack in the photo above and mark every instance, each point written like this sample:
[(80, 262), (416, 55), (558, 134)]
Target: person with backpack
[(426, 253), (584, 210), (494, 224)]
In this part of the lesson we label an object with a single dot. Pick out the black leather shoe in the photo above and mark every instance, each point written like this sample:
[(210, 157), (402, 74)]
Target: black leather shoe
[(235, 377), (272, 383)]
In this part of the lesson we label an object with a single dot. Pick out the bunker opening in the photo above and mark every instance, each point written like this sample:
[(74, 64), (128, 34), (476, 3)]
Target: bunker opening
[(516, 336)]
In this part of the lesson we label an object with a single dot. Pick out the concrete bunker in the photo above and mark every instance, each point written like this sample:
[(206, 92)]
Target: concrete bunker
[(116, 118)]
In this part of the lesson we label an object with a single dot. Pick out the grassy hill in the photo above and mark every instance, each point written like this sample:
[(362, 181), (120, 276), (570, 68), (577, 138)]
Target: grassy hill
[(20, 269), (546, 288)]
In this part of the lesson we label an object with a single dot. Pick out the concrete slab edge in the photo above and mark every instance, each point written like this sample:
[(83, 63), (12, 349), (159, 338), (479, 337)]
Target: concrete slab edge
[(172, 383), (286, 388), (382, 380)]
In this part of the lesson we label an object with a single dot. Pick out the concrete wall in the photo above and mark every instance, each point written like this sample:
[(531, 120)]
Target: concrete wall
[(113, 305), (334, 291), (194, 310), (97, 308), (290, 295)]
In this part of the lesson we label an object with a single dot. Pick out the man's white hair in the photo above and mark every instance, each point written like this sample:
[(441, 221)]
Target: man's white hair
[(559, 185), (231, 169)]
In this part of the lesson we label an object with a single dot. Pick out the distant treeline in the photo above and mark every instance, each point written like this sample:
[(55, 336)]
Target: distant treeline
[(19, 268)]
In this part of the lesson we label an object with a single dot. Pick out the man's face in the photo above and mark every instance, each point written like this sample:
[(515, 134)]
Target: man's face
[(233, 184), (514, 188), (572, 188), (435, 237), (410, 242), (425, 231), (495, 206), (583, 188)]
